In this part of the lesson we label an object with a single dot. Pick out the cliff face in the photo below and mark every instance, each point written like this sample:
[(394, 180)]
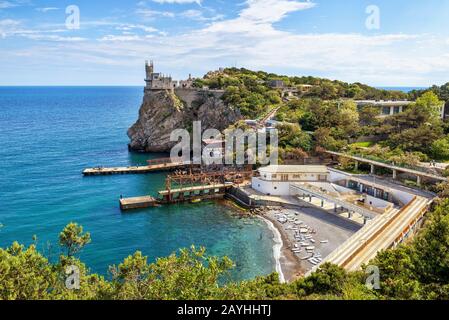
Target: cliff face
[(162, 112)]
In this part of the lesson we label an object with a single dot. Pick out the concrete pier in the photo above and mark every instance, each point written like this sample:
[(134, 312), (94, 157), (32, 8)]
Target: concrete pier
[(173, 196), (100, 171), (137, 203)]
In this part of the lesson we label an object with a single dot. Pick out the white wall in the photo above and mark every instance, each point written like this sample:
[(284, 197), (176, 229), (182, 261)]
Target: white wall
[(402, 196), (376, 202), (336, 176), (273, 188), (343, 189)]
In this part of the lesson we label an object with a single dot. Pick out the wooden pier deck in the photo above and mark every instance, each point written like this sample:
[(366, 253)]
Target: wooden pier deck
[(100, 171), (137, 203)]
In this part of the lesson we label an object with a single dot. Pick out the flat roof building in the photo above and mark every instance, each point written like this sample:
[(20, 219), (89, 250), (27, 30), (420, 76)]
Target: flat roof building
[(276, 179), (392, 107)]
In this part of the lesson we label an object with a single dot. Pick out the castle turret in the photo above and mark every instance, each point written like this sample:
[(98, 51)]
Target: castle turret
[(157, 81), (149, 69)]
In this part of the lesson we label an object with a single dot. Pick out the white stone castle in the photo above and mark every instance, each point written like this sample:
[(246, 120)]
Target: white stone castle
[(158, 81)]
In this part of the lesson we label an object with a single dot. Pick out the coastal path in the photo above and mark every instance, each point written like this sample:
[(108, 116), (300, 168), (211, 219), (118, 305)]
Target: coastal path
[(394, 168)]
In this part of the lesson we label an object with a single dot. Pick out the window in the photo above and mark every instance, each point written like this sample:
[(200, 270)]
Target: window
[(396, 110), (296, 176), (274, 176), (386, 110)]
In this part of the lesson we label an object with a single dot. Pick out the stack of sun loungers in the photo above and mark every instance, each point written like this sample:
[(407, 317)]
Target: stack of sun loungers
[(305, 246)]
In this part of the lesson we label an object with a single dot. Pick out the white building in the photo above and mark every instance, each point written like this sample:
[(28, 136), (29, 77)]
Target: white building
[(276, 179), (389, 108)]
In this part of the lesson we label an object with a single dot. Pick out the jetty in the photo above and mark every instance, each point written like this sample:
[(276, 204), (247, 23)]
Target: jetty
[(154, 165), (137, 203), (202, 192), (191, 187), (190, 194)]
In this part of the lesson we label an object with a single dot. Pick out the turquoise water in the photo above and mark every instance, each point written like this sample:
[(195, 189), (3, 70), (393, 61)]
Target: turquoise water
[(49, 135)]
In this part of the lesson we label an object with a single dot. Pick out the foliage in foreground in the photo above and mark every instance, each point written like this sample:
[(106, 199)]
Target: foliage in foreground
[(417, 270)]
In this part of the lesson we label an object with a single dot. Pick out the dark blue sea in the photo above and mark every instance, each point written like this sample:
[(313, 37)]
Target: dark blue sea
[(50, 134)]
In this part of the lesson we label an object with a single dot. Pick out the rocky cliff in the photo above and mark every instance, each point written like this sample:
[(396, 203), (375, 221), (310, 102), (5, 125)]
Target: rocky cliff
[(162, 112)]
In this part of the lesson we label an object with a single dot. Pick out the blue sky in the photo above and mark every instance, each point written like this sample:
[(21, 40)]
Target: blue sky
[(326, 38)]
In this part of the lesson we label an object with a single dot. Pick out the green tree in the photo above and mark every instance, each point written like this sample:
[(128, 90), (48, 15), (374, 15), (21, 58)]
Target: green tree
[(328, 279), (348, 120), (432, 254), (25, 274), (291, 136), (398, 273), (440, 149), (416, 139), (369, 116), (323, 138), (430, 103), (73, 238), (191, 275)]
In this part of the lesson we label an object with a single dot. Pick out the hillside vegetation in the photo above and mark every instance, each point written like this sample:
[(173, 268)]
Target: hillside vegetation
[(250, 91), (326, 116)]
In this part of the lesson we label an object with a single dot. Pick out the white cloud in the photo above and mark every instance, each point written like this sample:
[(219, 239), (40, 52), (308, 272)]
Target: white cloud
[(128, 27), (8, 26), (50, 37), (149, 13), (9, 23), (178, 1), (6, 5), (199, 16), (124, 38), (47, 9), (259, 16), (120, 38), (252, 40), (269, 11), (14, 28)]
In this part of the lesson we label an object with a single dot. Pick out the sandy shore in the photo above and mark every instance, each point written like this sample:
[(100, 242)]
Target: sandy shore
[(325, 233), (287, 264)]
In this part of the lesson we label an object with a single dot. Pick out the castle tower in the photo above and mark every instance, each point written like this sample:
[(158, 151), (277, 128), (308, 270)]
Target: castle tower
[(157, 81), (149, 69)]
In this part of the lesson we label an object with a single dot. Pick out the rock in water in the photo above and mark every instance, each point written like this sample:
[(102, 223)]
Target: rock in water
[(163, 111)]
